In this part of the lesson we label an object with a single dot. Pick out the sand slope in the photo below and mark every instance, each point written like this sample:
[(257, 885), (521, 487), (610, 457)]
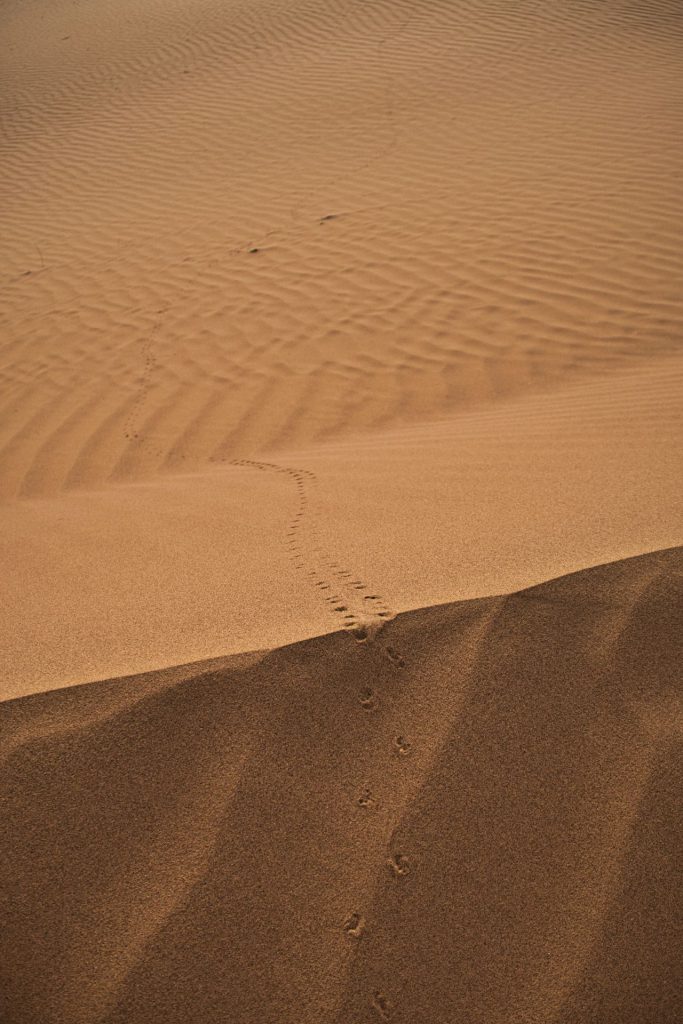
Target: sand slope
[(245, 556), (463, 316), (503, 182), (472, 817), (323, 322)]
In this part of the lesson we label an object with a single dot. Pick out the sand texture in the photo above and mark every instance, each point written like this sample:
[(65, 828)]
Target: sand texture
[(474, 816), (323, 324), (504, 183)]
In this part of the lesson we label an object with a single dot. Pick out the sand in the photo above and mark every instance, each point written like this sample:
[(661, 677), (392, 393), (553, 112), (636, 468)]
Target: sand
[(244, 556), (340, 461), (474, 817)]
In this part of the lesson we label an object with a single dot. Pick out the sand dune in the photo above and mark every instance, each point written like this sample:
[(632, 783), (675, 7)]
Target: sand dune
[(502, 185), (323, 324), (246, 556), (473, 816)]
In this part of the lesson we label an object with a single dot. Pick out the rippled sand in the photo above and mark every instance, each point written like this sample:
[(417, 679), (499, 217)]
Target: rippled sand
[(325, 323)]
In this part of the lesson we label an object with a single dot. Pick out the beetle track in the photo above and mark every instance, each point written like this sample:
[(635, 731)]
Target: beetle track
[(345, 594)]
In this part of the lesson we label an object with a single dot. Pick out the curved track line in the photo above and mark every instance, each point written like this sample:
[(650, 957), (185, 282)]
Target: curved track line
[(360, 611)]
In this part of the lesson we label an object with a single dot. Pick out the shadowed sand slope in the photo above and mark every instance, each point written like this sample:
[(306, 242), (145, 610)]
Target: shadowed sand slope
[(472, 816)]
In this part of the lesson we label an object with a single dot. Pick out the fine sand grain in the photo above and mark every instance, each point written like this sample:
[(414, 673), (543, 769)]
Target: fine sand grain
[(322, 324), (473, 816), (503, 182), (268, 550)]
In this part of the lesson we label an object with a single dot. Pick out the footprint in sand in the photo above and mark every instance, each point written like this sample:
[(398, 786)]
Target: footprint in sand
[(362, 615), (399, 865), (394, 657), (354, 926), (402, 746), (366, 800), (381, 1005), (368, 700)]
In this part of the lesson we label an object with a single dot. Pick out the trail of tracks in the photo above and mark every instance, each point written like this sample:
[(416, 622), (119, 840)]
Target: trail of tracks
[(349, 599)]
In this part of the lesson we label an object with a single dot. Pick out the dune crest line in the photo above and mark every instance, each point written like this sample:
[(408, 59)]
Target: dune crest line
[(381, 884)]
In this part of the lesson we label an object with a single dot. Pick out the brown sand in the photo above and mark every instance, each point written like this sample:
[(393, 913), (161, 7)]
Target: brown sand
[(474, 817), (323, 318)]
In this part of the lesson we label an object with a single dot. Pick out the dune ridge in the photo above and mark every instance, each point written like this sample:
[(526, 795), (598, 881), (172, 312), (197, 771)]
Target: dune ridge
[(340, 511), (229, 558), (485, 830)]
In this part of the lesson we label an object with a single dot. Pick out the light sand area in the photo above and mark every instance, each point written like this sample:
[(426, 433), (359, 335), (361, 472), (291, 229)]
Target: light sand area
[(503, 182), (241, 557)]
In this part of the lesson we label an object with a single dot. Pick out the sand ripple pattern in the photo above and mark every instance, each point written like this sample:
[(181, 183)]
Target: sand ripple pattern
[(254, 227)]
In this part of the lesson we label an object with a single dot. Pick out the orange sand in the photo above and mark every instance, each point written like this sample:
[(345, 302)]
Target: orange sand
[(324, 322)]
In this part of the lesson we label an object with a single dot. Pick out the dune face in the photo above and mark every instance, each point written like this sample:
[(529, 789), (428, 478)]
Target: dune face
[(429, 253), (231, 227), (324, 324), (276, 548), (473, 816)]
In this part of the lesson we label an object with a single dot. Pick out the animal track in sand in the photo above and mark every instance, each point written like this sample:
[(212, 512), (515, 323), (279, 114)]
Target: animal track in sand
[(354, 926), (402, 746), (149, 364), (132, 424), (362, 615), (396, 658), (366, 800), (399, 865), (381, 1005), (368, 700)]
